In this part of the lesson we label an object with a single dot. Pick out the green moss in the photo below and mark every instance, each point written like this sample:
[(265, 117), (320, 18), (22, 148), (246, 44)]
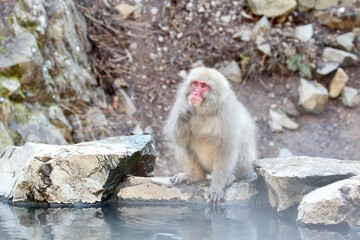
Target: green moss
[(85, 122), (3, 51), (15, 72), (20, 113), (15, 137), (297, 63)]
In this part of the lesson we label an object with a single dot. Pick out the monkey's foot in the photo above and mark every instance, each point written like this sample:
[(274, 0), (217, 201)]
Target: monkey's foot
[(215, 198), (182, 178)]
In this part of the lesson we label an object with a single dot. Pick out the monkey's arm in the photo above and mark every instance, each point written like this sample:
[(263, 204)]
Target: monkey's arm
[(182, 132), (224, 161)]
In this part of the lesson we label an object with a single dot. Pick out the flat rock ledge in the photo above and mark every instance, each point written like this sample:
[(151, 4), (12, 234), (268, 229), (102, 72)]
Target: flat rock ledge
[(85, 173), (159, 189)]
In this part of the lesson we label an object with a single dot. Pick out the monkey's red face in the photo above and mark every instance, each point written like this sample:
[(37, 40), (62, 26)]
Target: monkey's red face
[(198, 89)]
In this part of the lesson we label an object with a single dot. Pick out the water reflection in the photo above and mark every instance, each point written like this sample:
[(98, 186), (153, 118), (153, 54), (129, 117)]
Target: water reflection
[(152, 222)]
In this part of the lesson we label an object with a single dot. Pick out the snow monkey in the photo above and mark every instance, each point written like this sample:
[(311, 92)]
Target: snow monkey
[(212, 132)]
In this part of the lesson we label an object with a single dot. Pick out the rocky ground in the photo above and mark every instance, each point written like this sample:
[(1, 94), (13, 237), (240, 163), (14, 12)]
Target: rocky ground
[(145, 51)]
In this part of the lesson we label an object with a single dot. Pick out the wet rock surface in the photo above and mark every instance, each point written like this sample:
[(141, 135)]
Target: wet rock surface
[(334, 204), (85, 173)]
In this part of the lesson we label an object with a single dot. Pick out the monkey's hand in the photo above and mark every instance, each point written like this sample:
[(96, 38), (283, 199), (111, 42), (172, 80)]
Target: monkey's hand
[(182, 178), (186, 114), (215, 198)]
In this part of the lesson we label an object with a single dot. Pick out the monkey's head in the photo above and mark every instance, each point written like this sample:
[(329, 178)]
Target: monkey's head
[(206, 88)]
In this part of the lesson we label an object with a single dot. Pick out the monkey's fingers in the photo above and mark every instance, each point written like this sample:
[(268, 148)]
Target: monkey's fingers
[(216, 198), (179, 178)]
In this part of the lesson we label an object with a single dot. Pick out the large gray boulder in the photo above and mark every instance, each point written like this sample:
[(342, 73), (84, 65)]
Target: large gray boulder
[(72, 174), (336, 203), (287, 180)]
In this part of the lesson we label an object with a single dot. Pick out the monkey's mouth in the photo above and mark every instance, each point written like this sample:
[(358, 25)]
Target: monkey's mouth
[(195, 102)]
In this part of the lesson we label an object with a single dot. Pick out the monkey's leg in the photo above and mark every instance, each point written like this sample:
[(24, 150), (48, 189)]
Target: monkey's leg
[(246, 156), (193, 172), (221, 173)]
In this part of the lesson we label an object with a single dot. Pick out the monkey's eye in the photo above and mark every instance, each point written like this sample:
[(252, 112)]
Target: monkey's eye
[(203, 85), (195, 83)]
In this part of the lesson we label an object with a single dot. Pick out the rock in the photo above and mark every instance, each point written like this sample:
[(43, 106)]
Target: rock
[(265, 49), (83, 173), (232, 72), (345, 41), (11, 85), (281, 119), (58, 119), (290, 108), (338, 83), (244, 34), (288, 179), (159, 189), (45, 49), (198, 63), (330, 234), (148, 130), (38, 129), (313, 97), (304, 33), (261, 26), (350, 97), (327, 68), (348, 3), (338, 56), (137, 130), (225, 19), (275, 127), (324, 4), (272, 8), (284, 153), (139, 10), (262, 45), (125, 9), (23, 49), (154, 10), (96, 125), (5, 138), (306, 4), (336, 203), (182, 74), (339, 17), (127, 103)]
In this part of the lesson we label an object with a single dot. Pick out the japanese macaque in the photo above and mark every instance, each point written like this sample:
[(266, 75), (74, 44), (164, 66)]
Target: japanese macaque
[(212, 132)]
